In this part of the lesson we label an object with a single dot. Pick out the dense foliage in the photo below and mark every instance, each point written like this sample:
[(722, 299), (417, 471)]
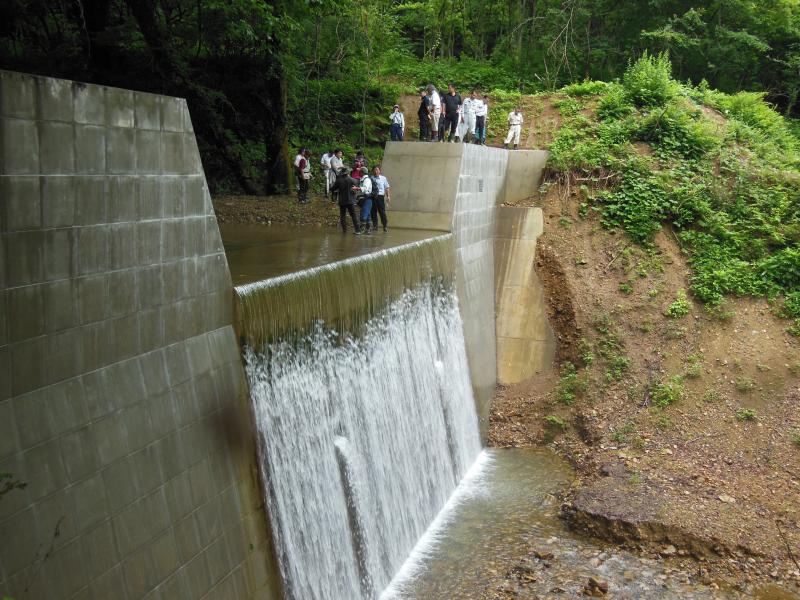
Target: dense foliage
[(720, 169), (262, 77)]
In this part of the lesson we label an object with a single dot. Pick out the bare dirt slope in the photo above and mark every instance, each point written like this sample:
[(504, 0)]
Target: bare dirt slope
[(714, 474)]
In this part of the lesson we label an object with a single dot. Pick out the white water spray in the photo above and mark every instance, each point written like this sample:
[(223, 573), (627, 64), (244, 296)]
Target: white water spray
[(362, 442)]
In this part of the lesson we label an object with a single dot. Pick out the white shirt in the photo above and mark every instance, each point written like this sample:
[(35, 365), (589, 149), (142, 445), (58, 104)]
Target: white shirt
[(436, 101), (514, 118), (325, 161), (383, 184), (398, 118), (336, 163), (482, 110), (297, 160), (366, 185), (470, 106)]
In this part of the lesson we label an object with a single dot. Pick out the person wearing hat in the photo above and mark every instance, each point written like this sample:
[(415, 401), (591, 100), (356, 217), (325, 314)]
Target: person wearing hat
[(398, 124)]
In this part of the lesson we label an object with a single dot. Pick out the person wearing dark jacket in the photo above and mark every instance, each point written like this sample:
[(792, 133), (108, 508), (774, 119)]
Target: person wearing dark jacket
[(347, 189)]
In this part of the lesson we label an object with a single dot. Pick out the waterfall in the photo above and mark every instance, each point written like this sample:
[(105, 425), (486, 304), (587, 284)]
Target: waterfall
[(363, 431)]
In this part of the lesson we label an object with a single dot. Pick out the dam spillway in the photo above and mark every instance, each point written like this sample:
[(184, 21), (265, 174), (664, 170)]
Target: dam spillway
[(366, 424)]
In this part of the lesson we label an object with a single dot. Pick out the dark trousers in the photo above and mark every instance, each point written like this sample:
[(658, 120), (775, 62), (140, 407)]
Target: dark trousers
[(379, 208), (442, 125), (424, 129), (302, 190), (396, 132), (480, 129), (452, 125), (343, 210)]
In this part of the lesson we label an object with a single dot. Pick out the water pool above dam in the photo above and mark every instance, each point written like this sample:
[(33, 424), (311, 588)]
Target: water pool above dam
[(257, 252)]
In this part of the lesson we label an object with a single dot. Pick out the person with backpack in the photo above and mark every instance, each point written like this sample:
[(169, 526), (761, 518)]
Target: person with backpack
[(381, 196), (365, 196), (347, 189)]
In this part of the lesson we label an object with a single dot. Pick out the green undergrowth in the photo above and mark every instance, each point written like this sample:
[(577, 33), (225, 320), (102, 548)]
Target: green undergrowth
[(723, 171)]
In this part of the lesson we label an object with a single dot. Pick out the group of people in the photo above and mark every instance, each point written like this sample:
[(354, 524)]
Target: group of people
[(449, 118), (359, 194)]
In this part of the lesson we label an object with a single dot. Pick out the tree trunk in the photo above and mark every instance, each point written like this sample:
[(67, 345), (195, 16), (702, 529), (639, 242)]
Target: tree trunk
[(173, 70)]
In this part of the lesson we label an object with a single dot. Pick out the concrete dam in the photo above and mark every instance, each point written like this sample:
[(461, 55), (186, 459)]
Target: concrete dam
[(165, 433)]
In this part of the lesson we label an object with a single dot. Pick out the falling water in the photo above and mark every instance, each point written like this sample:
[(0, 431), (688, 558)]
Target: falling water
[(363, 437)]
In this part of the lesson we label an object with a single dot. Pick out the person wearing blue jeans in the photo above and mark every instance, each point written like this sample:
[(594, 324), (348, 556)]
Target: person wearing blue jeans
[(398, 126), (365, 200), (380, 197)]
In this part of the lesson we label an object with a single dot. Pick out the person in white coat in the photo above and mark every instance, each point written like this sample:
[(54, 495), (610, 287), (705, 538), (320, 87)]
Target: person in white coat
[(469, 112), (398, 124), (481, 117), (514, 128), (325, 163), (436, 111)]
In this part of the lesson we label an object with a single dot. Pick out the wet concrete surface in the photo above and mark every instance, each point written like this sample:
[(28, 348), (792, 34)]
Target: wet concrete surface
[(502, 538), (257, 252)]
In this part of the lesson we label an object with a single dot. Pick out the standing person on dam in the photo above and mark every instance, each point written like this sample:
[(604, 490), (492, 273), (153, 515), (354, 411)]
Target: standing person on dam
[(365, 199), (481, 118), (469, 111), (514, 127), (381, 196), (398, 126), (424, 113), (436, 111), (302, 167), (452, 111), (347, 188)]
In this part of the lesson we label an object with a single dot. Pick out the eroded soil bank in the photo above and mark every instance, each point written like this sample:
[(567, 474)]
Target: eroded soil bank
[(684, 431)]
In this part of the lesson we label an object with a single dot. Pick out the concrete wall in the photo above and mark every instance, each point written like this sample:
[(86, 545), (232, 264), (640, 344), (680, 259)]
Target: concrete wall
[(457, 187), (123, 405), (525, 341)]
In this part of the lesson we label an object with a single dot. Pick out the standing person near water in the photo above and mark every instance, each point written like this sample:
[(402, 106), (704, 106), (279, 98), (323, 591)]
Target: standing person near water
[(346, 189), (381, 196), (514, 127), (302, 167), (336, 164), (325, 163), (365, 199), (424, 113), (398, 124)]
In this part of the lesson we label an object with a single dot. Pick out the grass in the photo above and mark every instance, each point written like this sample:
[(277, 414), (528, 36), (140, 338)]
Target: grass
[(555, 422), (680, 307), (746, 414), (744, 384), (570, 385), (666, 393), (694, 366)]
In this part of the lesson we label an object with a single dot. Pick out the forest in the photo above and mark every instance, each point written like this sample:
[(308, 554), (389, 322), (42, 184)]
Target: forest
[(263, 78)]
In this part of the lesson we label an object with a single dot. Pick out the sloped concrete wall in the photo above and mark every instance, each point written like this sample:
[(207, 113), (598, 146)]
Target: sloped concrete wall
[(457, 187), (123, 404), (525, 341)]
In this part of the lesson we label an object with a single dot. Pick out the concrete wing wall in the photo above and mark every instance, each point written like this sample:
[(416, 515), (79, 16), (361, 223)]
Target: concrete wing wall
[(123, 405)]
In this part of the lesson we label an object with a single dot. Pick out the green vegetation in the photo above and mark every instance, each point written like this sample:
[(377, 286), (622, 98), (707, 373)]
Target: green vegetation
[(729, 188), (744, 384), (555, 422), (694, 366), (795, 437), (624, 433), (746, 414), (570, 385), (680, 307), (626, 288), (667, 392)]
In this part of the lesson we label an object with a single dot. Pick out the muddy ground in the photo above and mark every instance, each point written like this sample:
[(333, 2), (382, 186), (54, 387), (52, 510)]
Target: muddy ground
[(716, 474)]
